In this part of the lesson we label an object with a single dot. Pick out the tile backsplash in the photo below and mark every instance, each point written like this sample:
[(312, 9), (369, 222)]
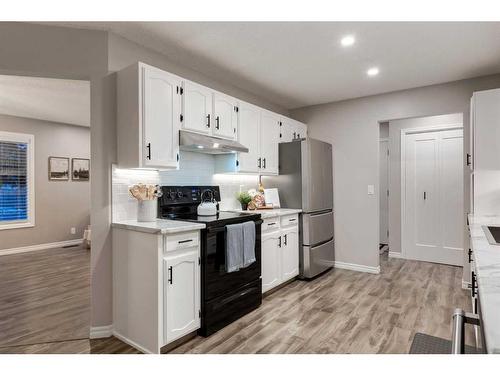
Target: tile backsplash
[(194, 169)]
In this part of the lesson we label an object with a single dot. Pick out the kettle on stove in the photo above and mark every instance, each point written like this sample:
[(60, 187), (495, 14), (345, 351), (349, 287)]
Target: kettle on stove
[(208, 205)]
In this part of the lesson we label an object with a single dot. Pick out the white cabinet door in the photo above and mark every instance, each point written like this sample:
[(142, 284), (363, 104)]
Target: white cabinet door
[(269, 140), (287, 130), (161, 117), (181, 294), (196, 107), (249, 136), (225, 123), (271, 259), (486, 128), (289, 253)]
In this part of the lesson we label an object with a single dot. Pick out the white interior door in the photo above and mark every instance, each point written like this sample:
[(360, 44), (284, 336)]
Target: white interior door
[(433, 197), (384, 191)]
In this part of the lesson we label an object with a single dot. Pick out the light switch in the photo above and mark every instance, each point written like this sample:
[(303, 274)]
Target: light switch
[(371, 189)]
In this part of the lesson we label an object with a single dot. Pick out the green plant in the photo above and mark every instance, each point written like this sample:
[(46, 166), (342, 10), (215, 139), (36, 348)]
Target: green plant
[(243, 197)]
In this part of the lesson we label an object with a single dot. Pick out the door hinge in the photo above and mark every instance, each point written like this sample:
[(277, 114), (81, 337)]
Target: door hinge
[(177, 157), (237, 163), (199, 261), (281, 124), (182, 90), (234, 130), (236, 109), (182, 117), (281, 135), (177, 89)]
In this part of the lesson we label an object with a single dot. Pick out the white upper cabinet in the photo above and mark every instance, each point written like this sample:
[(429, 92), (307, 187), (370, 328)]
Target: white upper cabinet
[(196, 108), (291, 130), (149, 112), (225, 113), (485, 130), (269, 140), (249, 136)]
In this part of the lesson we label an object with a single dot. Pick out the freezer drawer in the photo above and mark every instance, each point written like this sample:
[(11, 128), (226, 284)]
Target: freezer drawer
[(316, 259), (317, 227)]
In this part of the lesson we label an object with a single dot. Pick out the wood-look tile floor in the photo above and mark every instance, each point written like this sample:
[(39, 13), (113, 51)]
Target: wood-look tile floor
[(339, 312)]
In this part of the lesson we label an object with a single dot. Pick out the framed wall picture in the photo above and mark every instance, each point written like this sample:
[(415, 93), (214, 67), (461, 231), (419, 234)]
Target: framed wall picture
[(58, 168), (80, 169)]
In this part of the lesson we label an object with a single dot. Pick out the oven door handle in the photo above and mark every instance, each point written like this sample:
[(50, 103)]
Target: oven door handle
[(222, 229)]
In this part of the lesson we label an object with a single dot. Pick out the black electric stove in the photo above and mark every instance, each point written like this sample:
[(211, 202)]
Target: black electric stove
[(225, 297)]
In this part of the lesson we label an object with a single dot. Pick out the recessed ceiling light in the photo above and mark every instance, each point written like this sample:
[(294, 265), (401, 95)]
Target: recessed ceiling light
[(348, 40), (372, 71)]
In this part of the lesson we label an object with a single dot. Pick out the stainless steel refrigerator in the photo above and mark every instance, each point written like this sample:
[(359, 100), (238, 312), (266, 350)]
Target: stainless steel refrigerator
[(306, 181)]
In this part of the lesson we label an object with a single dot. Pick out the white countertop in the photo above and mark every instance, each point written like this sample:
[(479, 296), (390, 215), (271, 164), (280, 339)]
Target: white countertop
[(487, 265), (159, 226), (265, 214)]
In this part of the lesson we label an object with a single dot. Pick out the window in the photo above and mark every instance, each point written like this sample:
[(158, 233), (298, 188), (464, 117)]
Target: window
[(16, 180)]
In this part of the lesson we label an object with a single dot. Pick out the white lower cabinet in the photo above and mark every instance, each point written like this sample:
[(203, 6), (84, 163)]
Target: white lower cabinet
[(181, 301), (271, 255), (156, 287), (280, 253)]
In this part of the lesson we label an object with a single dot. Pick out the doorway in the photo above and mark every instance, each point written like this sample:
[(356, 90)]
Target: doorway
[(432, 194), (384, 188)]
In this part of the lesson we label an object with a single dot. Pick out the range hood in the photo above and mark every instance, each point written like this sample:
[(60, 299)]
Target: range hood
[(194, 142)]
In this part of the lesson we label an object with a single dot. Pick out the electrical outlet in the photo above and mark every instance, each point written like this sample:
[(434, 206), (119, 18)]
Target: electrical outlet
[(73, 230)]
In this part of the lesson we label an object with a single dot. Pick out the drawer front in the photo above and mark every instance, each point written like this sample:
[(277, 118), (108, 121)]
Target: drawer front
[(182, 241), (289, 220), (317, 228), (270, 224)]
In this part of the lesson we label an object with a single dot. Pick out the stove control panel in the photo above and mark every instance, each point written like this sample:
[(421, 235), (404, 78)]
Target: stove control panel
[(174, 195)]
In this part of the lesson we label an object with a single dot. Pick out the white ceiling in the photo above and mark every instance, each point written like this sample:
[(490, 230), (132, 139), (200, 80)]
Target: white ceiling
[(57, 100), (295, 64)]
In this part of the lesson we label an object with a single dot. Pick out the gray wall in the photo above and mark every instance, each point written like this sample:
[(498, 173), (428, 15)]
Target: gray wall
[(395, 128), (352, 126), (59, 205)]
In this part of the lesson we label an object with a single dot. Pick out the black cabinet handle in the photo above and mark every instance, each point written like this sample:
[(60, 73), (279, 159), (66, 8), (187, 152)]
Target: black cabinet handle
[(286, 235), (292, 219), (269, 224), (217, 123), (425, 195), (468, 159), (279, 242), (473, 282), (208, 120), (264, 163), (149, 151), (470, 255), (185, 241), (259, 162), (171, 274)]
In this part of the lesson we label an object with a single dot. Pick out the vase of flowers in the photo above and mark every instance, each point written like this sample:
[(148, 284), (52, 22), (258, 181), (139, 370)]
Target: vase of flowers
[(146, 196)]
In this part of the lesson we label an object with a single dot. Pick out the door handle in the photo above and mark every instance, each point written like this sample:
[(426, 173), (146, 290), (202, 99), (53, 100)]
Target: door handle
[(264, 163), (208, 120), (279, 241), (425, 195), (468, 159), (149, 151), (259, 162), (460, 319), (286, 239), (217, 123), (170, 279)]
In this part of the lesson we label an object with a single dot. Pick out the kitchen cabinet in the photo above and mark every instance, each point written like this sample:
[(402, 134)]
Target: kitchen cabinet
[(291, 130), (271, 260), (148, 117), (156, 287), (290, 253), (181, 278), (196, 107), (225, 112), (269, 139), (249, 136), (485, 130), (280, 251)]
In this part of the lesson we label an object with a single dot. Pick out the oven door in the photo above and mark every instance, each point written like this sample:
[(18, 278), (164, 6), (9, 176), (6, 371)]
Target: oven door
[(216, 281)]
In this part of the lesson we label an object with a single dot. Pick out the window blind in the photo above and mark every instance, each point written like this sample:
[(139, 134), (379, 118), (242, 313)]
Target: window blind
[(13, 181)]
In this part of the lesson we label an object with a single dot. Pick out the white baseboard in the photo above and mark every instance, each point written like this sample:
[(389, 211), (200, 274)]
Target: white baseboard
[(132, 343), (357, 267), (394, 254), (43, 246), (101, 332)]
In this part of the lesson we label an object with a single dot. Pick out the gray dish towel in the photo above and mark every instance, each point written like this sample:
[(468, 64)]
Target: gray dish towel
[(234, 247), (248, 243)]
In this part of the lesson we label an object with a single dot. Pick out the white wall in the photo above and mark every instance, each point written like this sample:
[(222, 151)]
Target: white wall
[(352, 126), (395, 127)]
